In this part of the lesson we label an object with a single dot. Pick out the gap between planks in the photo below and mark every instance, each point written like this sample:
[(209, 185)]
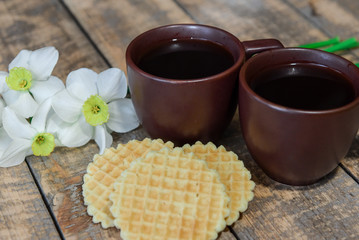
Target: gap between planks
[(317, 26), (44, 199), (85, 33), (347, 171)]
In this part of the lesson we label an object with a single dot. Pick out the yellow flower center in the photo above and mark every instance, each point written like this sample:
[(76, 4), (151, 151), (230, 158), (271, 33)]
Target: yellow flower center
[(19, 79), (43, 144), (40, 140), (95, 110)]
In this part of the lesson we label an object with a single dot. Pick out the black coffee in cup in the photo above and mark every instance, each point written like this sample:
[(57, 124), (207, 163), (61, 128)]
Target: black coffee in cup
[(304, 86), (186, 59)]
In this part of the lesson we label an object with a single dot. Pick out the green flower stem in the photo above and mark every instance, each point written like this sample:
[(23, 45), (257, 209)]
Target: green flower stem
[(320, 44), (346, 44)]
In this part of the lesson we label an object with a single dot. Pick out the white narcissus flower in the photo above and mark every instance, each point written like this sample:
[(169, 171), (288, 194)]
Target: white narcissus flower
[(4, 138), (93, 105), (29, 81), (26, 138)]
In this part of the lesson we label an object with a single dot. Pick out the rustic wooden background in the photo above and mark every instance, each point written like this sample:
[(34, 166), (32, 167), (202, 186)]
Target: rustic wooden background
[(41, 198)]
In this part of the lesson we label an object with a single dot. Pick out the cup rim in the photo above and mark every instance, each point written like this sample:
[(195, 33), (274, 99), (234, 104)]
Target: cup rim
[(236, 65), (247, 88)]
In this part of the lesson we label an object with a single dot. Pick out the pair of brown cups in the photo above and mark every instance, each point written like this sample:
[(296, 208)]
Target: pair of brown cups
[(292, 146)]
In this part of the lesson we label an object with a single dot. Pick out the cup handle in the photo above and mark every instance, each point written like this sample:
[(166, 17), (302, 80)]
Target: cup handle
[(256, 46)]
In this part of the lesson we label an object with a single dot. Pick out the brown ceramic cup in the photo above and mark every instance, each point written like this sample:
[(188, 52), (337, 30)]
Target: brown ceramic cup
[(297, 146), (184, 111)]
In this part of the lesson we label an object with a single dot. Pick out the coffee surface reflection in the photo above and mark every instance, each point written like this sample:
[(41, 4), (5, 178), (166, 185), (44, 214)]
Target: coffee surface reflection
[(186, 59), (304, 86)]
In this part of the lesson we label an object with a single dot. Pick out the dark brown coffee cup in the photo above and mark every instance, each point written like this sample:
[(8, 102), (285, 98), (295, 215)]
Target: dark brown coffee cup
[(298, 142), (191, 109)]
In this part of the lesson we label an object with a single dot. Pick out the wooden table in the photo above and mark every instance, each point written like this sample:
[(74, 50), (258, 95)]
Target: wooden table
[(42, 197)]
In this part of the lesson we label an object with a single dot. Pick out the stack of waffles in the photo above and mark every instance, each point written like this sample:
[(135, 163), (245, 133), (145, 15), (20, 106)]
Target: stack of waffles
[(151, 190)]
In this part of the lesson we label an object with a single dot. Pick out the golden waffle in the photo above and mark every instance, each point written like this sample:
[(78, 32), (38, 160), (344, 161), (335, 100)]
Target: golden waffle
[(105, 169), (169, 194), (232, 173)]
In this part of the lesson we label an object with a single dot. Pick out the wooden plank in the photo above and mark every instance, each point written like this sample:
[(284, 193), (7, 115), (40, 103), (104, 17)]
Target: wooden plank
[(327, 210), (334, 17), (351, 161), (31, 25), (23, 214), (113, 24)]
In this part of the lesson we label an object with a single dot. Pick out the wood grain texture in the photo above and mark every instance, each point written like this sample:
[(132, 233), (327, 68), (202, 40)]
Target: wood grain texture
[(22, 210), (23, 214), (320, 211), (35, 24), (31, 25), (254, 19), (113, 24), (333, 17)]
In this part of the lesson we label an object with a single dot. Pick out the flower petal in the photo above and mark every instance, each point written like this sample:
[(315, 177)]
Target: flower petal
[(112, 84), (67, 107), (4, 140), (15, 153), (2, 106), (81, 83), (21, 60), (3, 84), (42, 90), (76, 134), (42, 61), (123, 117), (102, 138), (21, 102), (17, 127), (38, 122), (54, 124)]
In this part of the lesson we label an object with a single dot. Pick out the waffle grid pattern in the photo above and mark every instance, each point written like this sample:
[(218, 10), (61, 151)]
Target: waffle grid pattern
[(169, 195), (103, 172), (232, 173)]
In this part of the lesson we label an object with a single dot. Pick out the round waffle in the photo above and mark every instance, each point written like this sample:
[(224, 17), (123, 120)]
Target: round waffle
[(103, 172), (169, 194), (232, 173)]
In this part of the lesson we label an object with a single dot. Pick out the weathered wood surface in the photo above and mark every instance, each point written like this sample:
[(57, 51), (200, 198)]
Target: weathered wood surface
[(113, 24), (23, 213), (95, 34)]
